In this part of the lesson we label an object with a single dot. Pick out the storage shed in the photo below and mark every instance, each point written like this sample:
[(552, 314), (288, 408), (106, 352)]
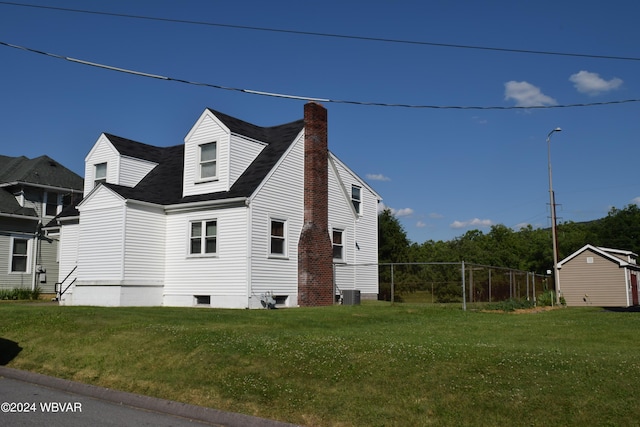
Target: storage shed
[(599, 276)]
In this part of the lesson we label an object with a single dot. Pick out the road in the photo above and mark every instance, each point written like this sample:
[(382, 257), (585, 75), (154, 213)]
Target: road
[(33, 400)]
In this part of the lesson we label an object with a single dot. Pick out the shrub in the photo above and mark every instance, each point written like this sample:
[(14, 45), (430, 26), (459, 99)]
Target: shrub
[(20, 294)]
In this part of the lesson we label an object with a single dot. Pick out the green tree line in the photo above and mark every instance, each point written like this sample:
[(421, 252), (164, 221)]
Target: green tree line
[(527, 249)]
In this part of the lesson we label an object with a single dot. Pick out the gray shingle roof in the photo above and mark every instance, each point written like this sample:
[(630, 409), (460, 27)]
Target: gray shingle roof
[(42, 171), (163, 185)]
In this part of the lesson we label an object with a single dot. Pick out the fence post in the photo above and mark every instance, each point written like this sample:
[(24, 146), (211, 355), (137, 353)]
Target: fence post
[(464, 290), (392, 285)]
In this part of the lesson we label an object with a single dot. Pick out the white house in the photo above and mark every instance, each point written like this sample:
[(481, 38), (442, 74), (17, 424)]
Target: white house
[(32, 193), (226, 219)]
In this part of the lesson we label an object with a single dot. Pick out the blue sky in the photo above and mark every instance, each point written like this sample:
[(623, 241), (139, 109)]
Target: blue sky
[(442, 171)]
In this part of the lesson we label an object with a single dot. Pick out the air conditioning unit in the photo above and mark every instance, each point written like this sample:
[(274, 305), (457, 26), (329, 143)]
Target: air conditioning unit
[(351, 297)]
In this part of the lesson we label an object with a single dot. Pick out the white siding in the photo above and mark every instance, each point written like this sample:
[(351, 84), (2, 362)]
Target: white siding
[(242, 152), (361, 243), (101, 241), (69, 235), (281, 197), (133, 170), (207, 129), (224, 276), (102, 152), (144, 244)]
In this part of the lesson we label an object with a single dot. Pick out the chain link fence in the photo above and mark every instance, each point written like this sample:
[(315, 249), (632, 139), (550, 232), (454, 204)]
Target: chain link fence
[(450, 282)]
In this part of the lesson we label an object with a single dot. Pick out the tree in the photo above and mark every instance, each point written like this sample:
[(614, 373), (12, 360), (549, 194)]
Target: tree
[(393, 244)]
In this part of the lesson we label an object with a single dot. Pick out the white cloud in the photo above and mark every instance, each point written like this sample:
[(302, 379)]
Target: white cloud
[(526, 95), (479, 120), (377, 177), (475, 222), (420, 224), (636, 201), (522, 225), (435, 215), (402, 212), (396, 212), (592, 83)]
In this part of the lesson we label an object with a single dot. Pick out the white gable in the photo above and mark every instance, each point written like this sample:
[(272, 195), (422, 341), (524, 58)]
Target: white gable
[(121, 170), (208, 129), (234, 153), (102, 152)]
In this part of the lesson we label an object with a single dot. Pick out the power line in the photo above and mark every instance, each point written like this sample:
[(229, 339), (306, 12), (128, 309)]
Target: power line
[(329, 35), (305, 98)]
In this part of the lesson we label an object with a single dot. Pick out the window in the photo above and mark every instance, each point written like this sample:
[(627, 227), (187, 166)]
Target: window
[(20, 255), (338, 244), (100, 174), (278, 240), (51, 208), (203, 299), (208, 161), (203, 239), (356, 198)]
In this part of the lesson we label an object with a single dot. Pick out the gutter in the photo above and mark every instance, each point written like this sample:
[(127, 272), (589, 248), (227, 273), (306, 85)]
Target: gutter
[(222, 203), (46, 187), (8, 215)]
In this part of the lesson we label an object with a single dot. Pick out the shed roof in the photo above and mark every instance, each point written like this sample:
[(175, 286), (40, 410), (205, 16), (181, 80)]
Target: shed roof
[(605, 253)]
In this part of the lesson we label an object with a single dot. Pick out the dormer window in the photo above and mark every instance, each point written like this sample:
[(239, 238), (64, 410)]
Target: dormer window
[(208, 161), (356, 198), (100, 174)]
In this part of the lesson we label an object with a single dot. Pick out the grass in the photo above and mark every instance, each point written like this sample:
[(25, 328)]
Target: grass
[(368, 365)]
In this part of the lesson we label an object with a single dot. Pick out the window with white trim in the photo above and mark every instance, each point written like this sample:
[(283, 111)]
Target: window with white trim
[(356, 198), (51, 208), (208, 160), (99, 173), (337, 238), (19, 255), (203, 237), (277, 238)]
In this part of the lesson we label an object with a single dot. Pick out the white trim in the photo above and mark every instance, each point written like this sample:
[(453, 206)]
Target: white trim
[(285, 237), (29, 255), (203, 238)]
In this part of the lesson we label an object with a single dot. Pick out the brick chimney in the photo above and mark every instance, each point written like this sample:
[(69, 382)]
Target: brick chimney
[(315, 253)]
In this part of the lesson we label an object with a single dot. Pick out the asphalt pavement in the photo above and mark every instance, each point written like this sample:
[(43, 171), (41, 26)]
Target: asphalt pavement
[(30, 399)]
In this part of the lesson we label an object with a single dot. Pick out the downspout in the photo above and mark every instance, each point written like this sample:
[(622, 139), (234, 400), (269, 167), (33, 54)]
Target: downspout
[(34, 260), (249, 242)]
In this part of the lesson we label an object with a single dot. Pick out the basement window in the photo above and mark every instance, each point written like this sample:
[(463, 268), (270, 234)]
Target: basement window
[(203, 299)]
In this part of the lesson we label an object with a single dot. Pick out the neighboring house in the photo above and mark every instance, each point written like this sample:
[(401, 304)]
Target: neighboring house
[(239, 216), (599, 276), (32, 192)]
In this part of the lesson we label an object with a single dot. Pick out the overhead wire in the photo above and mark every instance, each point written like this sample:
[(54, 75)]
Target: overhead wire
[(330, 35), (305, 98)]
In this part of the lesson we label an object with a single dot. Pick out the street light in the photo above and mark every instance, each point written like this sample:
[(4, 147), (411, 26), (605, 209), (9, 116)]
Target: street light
[(554, 233)]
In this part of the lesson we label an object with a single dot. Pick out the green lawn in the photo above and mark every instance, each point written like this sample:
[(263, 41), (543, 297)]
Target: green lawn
[(368, 365)]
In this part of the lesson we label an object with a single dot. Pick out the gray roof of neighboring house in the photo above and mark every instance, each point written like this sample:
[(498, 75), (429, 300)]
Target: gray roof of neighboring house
[(163, 185), (41, 171)]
